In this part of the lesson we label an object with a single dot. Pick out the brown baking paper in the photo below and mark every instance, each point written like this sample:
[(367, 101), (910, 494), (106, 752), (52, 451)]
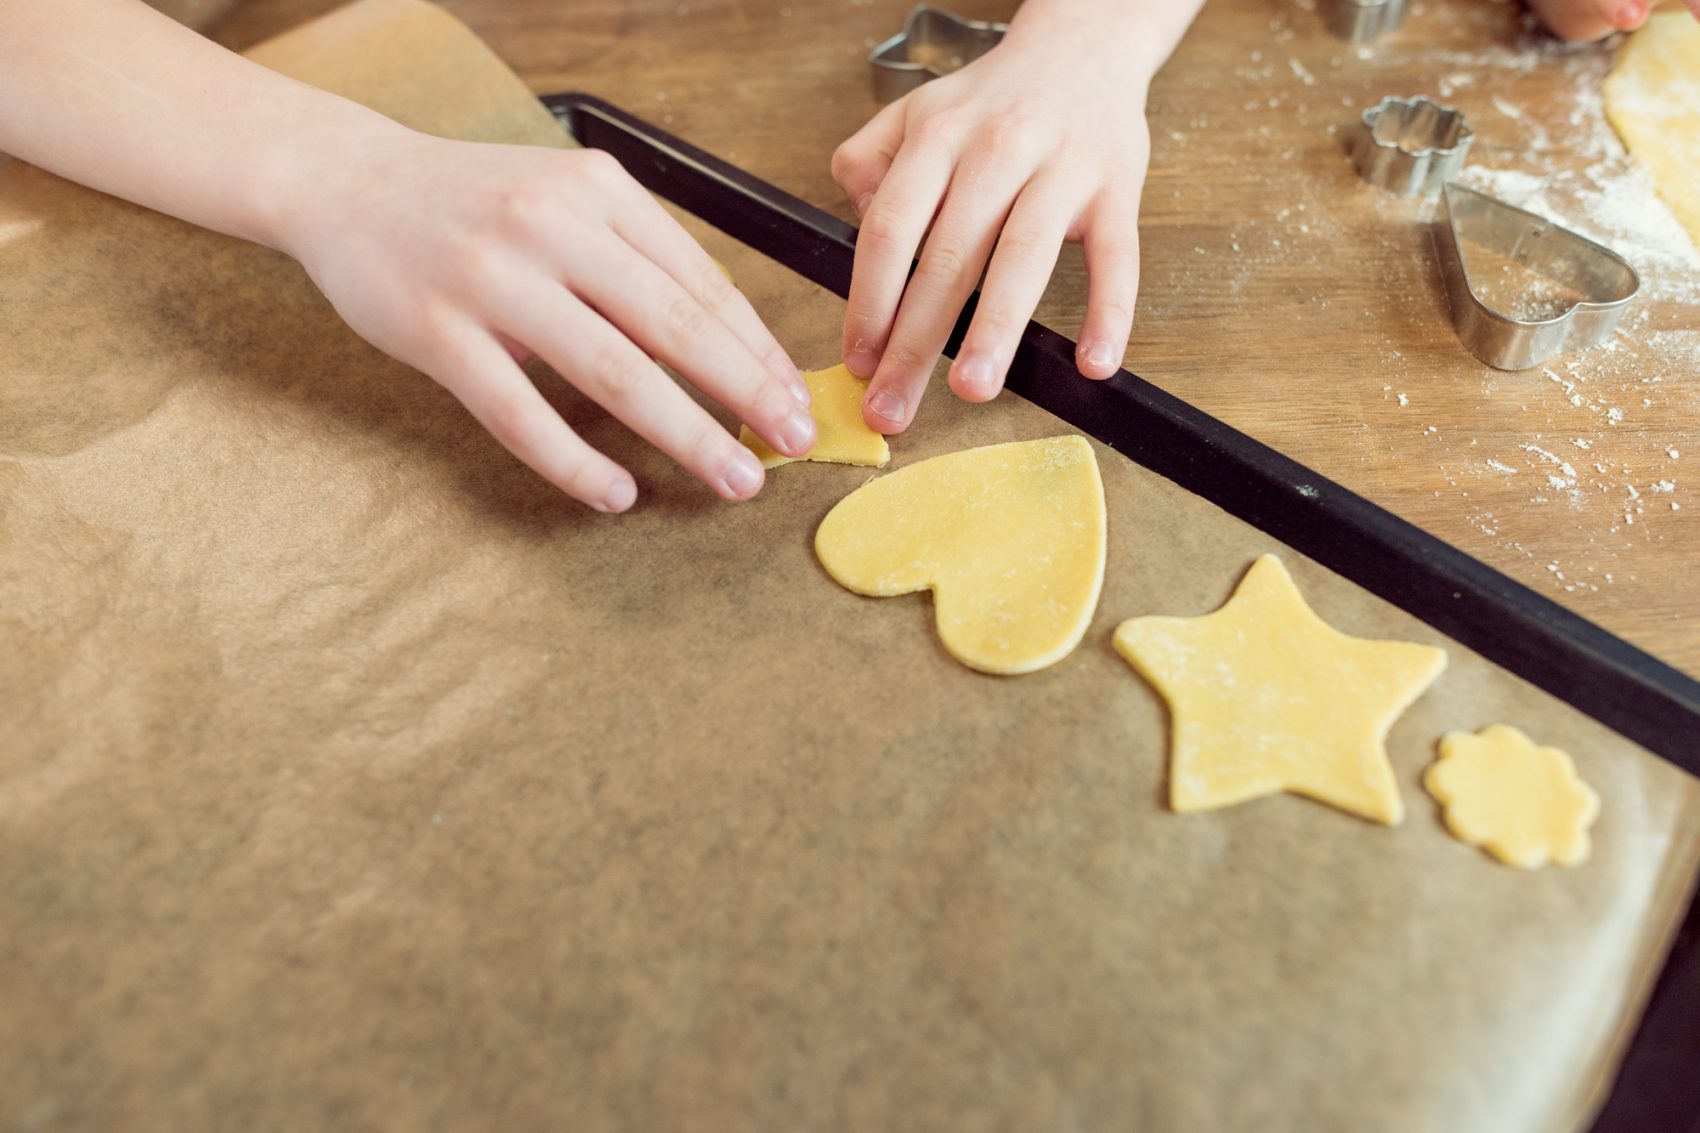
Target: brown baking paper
[(352, 777)]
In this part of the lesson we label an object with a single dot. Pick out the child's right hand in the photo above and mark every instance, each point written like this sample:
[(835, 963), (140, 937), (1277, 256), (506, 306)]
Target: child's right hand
[(462, 259)]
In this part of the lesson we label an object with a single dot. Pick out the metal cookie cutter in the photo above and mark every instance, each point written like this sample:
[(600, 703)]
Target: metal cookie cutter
[(1534, 288), (1411, 145), (933, 43), (1360, 21)]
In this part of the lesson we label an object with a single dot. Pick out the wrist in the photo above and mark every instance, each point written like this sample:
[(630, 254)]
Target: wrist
[(1131, 39), (335, 145)]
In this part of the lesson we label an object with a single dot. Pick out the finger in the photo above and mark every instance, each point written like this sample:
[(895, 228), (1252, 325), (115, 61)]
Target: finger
[(483, 376), (885, 247), (591, 354), (1112, 267), (962, 238), (862, 161), (651, 229), (1021, 268), (651, 308)]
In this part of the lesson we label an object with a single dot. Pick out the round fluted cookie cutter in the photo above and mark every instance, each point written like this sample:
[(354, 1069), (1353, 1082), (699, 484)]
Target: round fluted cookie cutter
[(1411, 146)]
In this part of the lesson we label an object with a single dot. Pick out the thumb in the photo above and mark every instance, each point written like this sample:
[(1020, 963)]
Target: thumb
[(861, 163)]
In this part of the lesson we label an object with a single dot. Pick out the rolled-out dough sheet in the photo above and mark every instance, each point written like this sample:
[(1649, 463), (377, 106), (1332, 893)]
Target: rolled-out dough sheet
[(1653, 100)]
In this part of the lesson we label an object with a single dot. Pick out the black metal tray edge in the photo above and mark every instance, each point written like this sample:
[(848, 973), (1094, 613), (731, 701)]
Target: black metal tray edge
[(1658, 1084)]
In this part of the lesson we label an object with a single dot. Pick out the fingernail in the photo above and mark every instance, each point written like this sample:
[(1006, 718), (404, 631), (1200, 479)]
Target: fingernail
[(1099, 356), (743, 475), (798, 433), (862, 203), (799, 388), (1630, 15), (976, 373), (620, 497), (888, 405), (862, 363)]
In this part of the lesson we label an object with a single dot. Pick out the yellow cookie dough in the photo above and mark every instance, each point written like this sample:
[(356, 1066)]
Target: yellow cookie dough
[(1264, 696), (841, 436), (1521, 803), (1009, 538), (1653, 99)]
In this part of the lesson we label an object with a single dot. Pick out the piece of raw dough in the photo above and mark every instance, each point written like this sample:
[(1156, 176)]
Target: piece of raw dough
[(1264, 696), (1521, 803), (1010, 539), (1653, 99), (841, 436)]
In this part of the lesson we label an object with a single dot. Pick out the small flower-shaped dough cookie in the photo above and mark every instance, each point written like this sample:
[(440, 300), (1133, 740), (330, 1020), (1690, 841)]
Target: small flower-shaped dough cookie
[(1521, 803)]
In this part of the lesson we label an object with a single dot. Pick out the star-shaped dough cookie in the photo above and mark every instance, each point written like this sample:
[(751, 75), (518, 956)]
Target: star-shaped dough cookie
[(841, 436), (1264, 696), (1521, 803)]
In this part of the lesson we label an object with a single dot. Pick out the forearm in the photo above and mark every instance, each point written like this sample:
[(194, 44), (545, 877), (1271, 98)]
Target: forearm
[(1140, 33), (116, 96)]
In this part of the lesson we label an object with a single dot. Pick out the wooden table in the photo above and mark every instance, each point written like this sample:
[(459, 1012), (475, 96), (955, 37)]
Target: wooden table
[(1279, 292)]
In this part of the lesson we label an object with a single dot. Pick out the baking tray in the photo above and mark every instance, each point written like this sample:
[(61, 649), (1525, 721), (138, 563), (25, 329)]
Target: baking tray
[(1658, 1085)]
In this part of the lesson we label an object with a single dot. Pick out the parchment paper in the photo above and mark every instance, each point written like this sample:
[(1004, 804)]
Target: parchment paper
[(351, 777)]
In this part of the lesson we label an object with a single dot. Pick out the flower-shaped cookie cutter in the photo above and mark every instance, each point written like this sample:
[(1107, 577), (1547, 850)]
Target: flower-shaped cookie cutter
[(1412, 146), (932, 44), (1592, 283), (1360, 21)]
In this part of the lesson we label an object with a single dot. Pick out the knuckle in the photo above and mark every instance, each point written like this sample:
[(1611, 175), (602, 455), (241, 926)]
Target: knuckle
[(944, 262), (435, 332), (1117, 306), (615, 380), (907, 357), (685, 319), (525, 207), (715, 286), (939, 128), (845, 159), (996, 317), (1025, 243), (1006, 136), (600, 167), (881, 232)]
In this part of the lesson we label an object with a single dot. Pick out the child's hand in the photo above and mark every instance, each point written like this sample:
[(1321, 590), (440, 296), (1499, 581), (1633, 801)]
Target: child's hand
[(1042, 140), (1591, 19), (459, 259), (454, 257)]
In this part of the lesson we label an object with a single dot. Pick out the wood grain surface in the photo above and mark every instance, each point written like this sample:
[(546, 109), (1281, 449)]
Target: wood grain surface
[(1279, 292)]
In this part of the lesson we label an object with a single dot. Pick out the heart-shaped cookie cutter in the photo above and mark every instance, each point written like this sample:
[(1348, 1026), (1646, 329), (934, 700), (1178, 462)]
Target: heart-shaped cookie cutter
[(1412, 146), (1360, 21), (932, 44), (1597, 283)]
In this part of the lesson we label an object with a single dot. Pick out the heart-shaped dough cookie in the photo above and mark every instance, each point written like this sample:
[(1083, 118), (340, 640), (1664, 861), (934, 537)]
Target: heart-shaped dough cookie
[(1009, 538)]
